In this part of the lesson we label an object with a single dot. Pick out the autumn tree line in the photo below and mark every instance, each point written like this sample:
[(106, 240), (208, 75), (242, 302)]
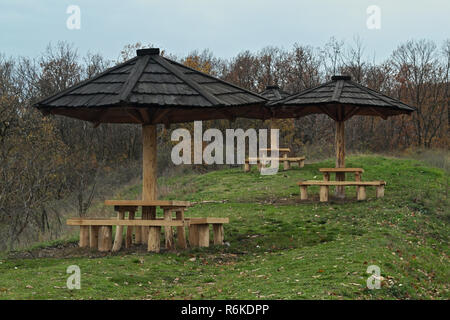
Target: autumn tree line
[(47, 160)]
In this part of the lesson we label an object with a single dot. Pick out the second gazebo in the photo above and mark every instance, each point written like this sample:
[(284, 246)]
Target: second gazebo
[(340, 99)]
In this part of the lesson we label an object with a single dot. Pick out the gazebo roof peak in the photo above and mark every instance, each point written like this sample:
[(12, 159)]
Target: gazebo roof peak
[(274, 93)]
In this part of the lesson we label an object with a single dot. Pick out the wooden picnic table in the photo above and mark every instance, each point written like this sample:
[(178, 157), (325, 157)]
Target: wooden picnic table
[(97, 232), (282, 151), (341, 171)]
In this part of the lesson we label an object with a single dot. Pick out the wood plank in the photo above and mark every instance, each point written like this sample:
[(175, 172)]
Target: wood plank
[(154, 239), (105, 238), (84, 237), (218, 234), (340, 183), (150, 203), (129, 235), (93, 237), (361, 170), (181, 231), (207, 220), (168, 232), (280, 159), (203, 235), (118, 239), (114, 222), (193, 235)]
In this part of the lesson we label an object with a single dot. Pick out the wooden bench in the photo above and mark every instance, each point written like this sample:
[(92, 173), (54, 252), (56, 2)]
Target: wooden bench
[(324, 188), (285, 160), (97, 232)]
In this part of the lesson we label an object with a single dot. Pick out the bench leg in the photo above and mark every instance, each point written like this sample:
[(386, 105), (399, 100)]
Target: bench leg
[(259, 165), (118, 239), (218, 234), (340, 190), (361, 193), (323, 193), (168, 234), (326, 176), (246, 167), (286, 165), (84, 236), (303, 193), (203, 235), (105, 238), (380, 191), (154, 239), (129, 236), (301, 163), (193, 235), (358, 179), (93, 237), (181, 233)]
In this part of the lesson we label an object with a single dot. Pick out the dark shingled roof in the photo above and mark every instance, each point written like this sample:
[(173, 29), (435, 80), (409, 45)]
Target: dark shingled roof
[(340, 98), (152, 89), (274, 93)]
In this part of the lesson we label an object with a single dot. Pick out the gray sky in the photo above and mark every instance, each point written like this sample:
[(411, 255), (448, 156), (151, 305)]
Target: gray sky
[(226, 27)]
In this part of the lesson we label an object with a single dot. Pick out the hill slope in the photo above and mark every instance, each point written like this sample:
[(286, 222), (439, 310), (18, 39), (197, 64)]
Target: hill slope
[(279, 248)]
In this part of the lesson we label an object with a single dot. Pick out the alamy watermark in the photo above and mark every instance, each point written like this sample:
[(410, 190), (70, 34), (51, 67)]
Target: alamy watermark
[(374, 281), (219, 151), (73, 22), (373, 21), (74, 280)]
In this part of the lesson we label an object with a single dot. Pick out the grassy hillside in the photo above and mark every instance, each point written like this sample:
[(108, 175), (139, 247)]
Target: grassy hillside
[(279, 247)]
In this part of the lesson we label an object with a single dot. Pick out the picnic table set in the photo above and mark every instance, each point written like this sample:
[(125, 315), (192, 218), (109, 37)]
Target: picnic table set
[(150, 89)]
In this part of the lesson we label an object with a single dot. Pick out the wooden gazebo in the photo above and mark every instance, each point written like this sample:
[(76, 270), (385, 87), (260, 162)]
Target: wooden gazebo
[(150, 89), (340, 99)]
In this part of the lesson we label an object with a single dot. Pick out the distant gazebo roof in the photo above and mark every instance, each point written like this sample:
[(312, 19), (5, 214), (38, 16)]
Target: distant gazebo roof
[(340, 98), (274, 93), (151, 89)]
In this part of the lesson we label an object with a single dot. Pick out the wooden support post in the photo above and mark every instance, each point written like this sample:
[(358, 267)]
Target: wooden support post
[(168, 233), (380, 191), (340, 157), (260, 165), (246, 167), (118, 239), (361, 195), (129, 235), (181, 233), (84, 236), (203, 235), (154, 239), (303, 192), (93, 237), (149, 175), (324, 193), (326, 176), (193, 235), (105, 238), (218, 233)]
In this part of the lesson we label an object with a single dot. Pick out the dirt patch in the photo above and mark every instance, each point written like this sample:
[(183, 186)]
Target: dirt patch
[(311, 199), (71, 250)]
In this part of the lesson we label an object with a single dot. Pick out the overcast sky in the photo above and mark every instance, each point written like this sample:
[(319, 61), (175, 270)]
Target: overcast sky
[(226, 27)]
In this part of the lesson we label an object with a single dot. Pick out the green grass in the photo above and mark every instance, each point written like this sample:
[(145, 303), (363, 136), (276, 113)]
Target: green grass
[(278, 248)]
